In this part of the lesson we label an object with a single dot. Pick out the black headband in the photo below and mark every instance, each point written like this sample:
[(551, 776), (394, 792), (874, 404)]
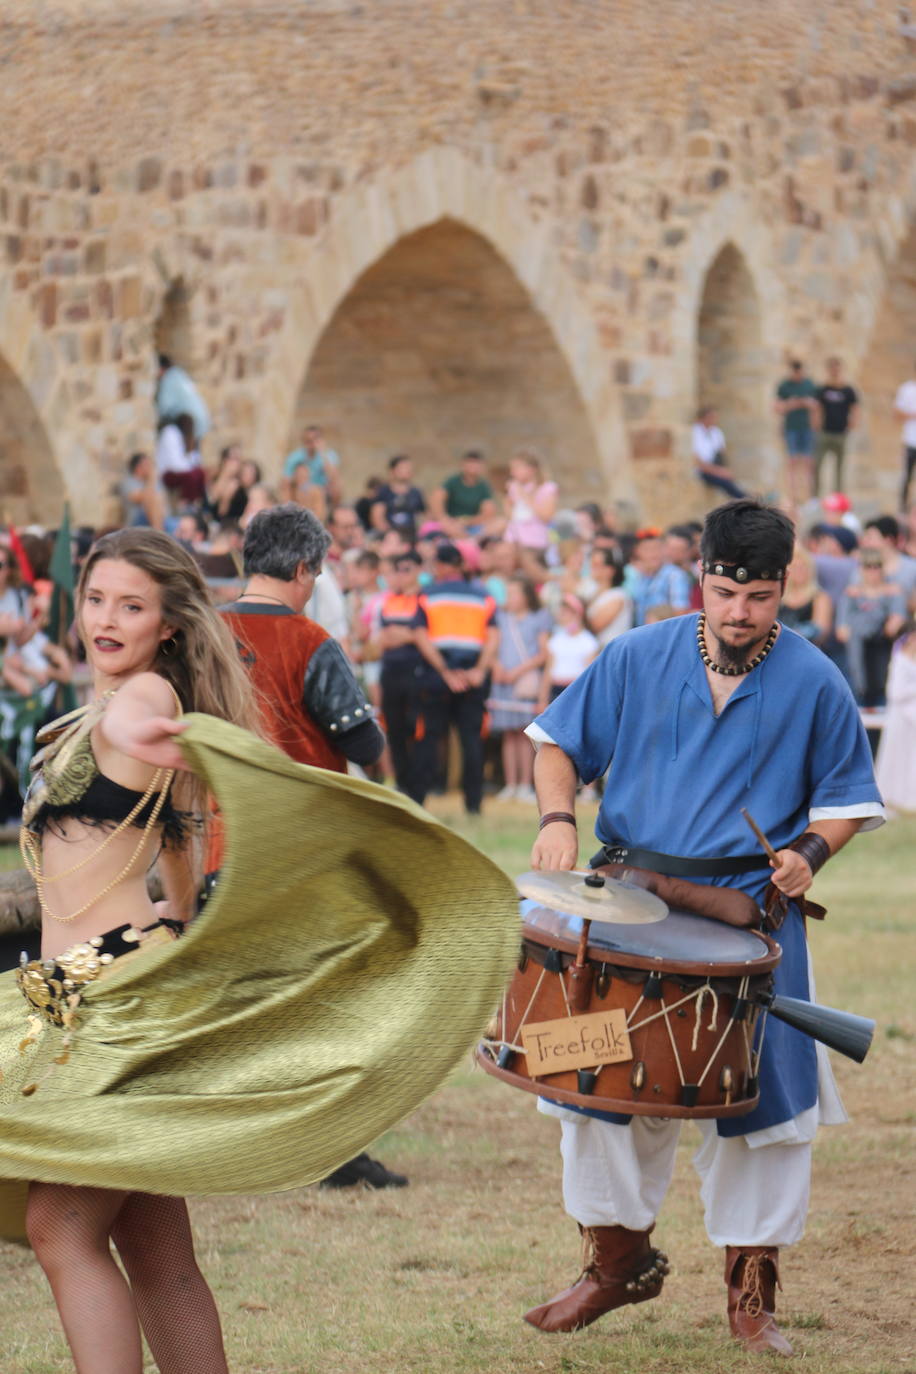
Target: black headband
[(738, 573)]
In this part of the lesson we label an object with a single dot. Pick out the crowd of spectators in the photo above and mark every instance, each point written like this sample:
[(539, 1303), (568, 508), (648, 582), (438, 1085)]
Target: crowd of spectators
[(466, 605)]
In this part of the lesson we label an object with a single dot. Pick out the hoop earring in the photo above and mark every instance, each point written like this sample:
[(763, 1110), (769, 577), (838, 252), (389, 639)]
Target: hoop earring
[(167, 647)]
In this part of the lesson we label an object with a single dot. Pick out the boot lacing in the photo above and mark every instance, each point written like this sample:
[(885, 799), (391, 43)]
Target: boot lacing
[(752, 1282)]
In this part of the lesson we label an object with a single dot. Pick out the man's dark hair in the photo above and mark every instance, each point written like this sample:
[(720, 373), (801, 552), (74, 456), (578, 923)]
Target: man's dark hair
[(409, 556), (368, 558), (474, 453), (165, 362), (134, 461), (796, 365), (393, 462), (748, 532), (448, 555), (887, 526), (681, 532), (279, 539)]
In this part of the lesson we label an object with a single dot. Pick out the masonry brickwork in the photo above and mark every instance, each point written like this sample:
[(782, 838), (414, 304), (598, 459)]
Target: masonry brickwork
[(431, 224)]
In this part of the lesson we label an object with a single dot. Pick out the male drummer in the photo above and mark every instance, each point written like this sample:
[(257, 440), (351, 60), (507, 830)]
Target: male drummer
[(696, 718)]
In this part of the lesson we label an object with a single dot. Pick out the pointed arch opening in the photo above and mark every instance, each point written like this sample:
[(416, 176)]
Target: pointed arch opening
[(172, 333), (731, 361), (31, 488), (436, 348), (889, 361)]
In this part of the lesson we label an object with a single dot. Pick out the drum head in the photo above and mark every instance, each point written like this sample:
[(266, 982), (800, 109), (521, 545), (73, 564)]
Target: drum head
[(680, 938), (613, 901)]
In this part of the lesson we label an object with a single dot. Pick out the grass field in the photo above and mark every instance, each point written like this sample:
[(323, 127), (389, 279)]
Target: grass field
[(434, 1278)]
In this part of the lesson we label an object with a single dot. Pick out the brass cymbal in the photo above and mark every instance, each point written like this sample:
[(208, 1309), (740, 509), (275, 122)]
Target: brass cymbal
[(612, 900)]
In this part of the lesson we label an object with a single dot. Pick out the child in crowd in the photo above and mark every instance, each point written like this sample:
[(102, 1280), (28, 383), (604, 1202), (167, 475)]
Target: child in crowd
[(570, 649), (524, 627)]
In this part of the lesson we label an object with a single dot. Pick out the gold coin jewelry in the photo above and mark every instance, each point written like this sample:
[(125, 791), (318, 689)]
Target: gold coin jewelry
[(733, 671)]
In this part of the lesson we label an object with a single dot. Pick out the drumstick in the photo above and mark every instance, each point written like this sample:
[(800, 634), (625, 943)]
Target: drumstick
[(765, 844)]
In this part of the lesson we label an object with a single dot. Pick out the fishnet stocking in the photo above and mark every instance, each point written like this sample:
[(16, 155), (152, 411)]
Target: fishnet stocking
[(174, 1304), (71, 1230)]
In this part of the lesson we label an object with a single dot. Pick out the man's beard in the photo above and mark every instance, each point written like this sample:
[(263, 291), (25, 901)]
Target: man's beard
[(735, 655)]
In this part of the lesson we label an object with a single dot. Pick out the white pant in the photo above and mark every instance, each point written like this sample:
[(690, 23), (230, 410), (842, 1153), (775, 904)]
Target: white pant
[(619, 1175)]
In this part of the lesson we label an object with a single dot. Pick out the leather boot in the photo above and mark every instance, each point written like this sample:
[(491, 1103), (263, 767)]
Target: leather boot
[(752, 1275), (620, 1267)]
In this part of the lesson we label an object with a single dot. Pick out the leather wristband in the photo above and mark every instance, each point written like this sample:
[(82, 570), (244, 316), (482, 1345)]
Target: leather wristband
[(552, 816), (813, 848)]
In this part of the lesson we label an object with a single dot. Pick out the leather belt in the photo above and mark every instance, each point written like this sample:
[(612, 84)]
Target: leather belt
[(675, 865)]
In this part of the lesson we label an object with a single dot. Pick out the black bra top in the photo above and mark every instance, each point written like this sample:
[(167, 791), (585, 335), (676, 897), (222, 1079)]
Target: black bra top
[(107, 802)]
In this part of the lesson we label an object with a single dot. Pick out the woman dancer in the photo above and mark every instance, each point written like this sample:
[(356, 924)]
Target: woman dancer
[(269, 1043), (102, 803)]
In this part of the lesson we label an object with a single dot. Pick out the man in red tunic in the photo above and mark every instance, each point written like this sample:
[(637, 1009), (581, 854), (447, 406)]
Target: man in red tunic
[(312, 706)]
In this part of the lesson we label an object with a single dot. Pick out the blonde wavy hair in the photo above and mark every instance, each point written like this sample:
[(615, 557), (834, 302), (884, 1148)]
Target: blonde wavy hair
[(201, 660)]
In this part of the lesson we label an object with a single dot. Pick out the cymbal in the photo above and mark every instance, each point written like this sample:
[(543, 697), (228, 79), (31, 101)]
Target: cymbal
[(618, 902)]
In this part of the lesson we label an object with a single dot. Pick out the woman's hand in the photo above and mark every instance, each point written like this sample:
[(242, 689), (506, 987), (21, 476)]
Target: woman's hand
[(153, 740)]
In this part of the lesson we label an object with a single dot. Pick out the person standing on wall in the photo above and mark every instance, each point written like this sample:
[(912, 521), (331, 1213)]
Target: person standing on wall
[(837, 413), (905, 410), (796, 404)]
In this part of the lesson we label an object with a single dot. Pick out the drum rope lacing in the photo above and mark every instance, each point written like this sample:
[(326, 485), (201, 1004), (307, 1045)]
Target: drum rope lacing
[(697, 996)]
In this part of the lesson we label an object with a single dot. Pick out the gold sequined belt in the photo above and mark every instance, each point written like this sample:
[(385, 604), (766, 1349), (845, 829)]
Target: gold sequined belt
[(53, 987)]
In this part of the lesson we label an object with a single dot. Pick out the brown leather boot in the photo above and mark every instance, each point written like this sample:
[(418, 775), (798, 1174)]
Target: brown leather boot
[(752, 1275), (620, 1267)]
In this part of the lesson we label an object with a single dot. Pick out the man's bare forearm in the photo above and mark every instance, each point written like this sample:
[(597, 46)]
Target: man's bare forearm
[(554, 779)]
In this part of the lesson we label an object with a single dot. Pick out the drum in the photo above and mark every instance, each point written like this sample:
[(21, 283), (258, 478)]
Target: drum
[(653, 1019)]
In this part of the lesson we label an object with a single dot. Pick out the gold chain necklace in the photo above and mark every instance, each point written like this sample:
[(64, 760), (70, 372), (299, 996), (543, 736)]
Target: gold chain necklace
[(733, 672), (31, 852)]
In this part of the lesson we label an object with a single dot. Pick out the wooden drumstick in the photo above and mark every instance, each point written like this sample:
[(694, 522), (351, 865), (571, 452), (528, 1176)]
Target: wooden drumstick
[(764, 842)]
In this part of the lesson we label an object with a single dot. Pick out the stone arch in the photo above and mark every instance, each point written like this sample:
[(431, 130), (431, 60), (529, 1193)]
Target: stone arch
[(172, 331), (731, 363), (889, 360), (442, 184), (31, 482), (435, 348), (717, 274)]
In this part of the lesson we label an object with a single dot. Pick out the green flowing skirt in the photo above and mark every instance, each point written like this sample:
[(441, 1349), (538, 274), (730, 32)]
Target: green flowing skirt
[(351, 954)]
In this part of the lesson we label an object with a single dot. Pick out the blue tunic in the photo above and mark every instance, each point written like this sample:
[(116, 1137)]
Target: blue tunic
[(787, 743)]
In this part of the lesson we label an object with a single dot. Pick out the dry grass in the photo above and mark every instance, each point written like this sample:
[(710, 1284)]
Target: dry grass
[(434, 1278)]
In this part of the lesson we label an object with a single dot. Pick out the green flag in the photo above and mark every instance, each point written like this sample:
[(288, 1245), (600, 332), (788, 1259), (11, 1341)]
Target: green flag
[(61, 570), (61, 616)]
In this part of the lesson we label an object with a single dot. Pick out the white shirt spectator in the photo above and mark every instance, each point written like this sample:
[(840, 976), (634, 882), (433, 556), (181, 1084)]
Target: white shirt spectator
[(171, 454), (570, 655), (905, 400), (707, 441)]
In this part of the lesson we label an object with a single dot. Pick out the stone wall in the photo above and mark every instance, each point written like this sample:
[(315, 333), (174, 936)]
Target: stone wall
[(553, 219)]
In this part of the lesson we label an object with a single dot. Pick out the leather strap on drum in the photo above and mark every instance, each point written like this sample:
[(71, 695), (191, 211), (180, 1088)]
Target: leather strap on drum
[(725, 904)]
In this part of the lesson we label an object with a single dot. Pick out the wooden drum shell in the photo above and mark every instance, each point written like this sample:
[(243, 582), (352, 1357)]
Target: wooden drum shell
[(618, 980)]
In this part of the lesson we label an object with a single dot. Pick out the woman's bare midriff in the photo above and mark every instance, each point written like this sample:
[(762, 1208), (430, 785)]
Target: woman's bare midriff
[(67, 842)]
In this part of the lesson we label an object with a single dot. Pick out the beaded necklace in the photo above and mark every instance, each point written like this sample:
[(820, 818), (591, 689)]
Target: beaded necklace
[(733, 671), (29, 844)]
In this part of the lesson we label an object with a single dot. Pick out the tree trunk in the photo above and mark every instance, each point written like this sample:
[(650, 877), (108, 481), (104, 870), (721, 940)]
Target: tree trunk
[(19, 901)]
